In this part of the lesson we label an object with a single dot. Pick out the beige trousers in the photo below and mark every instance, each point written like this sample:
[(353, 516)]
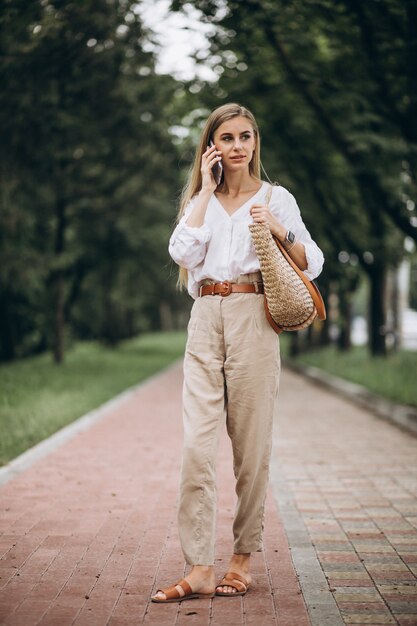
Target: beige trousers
[(231, 375)]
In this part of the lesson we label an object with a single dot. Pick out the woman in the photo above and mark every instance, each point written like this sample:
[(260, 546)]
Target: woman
[(231, 363)]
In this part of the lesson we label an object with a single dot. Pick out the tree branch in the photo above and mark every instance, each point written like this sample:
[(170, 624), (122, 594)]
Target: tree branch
[(387, 203), (373, 59)]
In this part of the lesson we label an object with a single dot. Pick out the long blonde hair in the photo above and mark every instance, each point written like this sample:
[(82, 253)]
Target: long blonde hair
[(193, 185)]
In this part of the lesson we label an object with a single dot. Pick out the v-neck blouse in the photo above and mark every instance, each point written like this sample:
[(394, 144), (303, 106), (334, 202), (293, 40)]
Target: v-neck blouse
[(252, 200), (221, 249)]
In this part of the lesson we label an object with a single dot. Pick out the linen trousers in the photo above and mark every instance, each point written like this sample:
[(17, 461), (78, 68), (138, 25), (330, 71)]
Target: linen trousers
[(231, 375)]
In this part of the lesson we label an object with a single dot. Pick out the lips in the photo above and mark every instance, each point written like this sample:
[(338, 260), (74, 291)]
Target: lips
[(237, 158)]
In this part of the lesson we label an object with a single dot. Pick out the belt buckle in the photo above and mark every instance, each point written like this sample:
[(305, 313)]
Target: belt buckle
[(228, 289)]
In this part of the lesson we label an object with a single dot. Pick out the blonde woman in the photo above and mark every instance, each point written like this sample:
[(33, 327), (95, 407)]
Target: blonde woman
[(231, 363)]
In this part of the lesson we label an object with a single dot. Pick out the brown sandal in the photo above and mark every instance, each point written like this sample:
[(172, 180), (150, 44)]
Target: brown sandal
[(231, 579), (173, 595)]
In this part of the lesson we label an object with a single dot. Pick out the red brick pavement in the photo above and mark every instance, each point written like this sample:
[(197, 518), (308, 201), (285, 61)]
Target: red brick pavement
[(88, 532), (353, 478)]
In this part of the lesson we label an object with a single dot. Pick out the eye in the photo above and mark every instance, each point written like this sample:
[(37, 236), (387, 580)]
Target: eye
[(247, 136)]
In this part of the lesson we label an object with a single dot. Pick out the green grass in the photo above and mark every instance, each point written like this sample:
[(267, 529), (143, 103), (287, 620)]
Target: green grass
[(393, 377), (37, 397)]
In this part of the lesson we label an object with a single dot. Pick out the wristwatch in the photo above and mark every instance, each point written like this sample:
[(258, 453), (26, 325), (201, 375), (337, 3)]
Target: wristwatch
[(289, 237)]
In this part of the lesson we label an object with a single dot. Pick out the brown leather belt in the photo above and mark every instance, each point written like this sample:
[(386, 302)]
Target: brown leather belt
[(226, 288)]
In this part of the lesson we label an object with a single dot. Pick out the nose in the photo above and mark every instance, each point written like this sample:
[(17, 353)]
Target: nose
[(237, 144)]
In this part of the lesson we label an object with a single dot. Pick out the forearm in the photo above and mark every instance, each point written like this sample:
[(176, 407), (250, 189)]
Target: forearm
[(296, 251), (198, 213), (298, 255)]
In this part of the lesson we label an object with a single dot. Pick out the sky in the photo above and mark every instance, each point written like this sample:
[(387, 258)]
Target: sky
[(178, 36)]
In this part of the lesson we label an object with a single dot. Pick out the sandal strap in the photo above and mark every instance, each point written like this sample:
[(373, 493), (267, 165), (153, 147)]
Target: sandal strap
[(231, 579), (172, 592)]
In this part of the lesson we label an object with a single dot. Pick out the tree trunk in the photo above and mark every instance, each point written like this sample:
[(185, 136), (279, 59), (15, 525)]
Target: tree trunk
[(59, 283), (294, 344), (411, 41), (345, 317), (324, 339), (59, 321), (165, 316), (393, 309), (7, 329), (377, 311)]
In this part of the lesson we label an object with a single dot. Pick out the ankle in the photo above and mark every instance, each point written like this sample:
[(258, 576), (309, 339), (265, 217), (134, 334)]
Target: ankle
[(202, 570), (241, 560)]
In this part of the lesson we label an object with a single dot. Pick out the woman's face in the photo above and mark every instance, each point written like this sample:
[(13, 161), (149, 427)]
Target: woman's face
[(236, 139)]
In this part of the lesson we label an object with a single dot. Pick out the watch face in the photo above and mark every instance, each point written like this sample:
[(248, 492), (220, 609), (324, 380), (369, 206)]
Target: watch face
[(291, 237)]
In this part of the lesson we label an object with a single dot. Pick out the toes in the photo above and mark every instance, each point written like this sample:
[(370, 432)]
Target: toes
[(226, 589), (160, 595)]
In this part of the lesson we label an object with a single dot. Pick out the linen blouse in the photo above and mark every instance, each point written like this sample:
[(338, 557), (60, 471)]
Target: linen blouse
[(222, 249)]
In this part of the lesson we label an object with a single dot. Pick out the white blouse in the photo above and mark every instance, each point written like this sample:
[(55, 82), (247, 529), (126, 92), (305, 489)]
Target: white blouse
[(221, 249)]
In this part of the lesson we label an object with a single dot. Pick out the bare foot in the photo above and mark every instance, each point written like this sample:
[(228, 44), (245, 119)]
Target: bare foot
[(239, 564), (201, 580)]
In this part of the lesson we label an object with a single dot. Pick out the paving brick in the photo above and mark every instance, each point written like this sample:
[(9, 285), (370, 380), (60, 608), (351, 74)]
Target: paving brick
[(349, 582), (338, 557), (362, 618), (87, 535), (407, 619), (350, 472)]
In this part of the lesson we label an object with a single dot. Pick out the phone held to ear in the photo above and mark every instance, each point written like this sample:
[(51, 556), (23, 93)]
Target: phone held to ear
[(217, 169)]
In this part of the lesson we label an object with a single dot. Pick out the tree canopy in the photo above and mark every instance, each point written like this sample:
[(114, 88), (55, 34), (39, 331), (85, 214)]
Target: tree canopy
[(95, 146), (334, 88), (89, 175)]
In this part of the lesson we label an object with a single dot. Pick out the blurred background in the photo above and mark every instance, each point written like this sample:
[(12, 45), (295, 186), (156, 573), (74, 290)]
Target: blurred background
[(101, 105)]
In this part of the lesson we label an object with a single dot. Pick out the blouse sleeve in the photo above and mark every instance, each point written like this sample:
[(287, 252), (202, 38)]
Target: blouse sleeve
[(286, 210), (188, 245)]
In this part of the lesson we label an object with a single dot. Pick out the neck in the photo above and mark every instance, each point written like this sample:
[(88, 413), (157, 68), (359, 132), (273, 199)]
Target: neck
[(238, 182)]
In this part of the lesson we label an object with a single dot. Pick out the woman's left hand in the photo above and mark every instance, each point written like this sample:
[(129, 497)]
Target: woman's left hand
[(262, 215)]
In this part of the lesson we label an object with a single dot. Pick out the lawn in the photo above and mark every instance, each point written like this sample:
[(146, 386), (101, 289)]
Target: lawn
[(393, 377), (38, 397)]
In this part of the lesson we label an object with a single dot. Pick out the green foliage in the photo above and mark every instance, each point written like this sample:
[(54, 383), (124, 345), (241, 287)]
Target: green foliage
[(88, 176), (392, 377), (37, 398), (90, 167), (337, 107)]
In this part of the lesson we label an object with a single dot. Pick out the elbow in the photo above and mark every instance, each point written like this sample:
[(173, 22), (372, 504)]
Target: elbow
[(183, 259), (176, 255), (313, 271), (314, 265)]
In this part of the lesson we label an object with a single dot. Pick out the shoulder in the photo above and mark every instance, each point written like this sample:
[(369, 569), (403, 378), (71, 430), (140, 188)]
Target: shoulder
[(282, 199), (281, 193)]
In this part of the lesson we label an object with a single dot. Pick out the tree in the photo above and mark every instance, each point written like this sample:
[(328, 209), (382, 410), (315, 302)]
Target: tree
[(315, 82), (88, 174)]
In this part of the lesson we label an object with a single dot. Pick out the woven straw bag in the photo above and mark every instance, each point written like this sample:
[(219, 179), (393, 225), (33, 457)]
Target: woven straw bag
[(292, 301)]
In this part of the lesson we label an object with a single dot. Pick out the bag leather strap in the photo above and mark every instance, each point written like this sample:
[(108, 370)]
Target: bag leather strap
[(310, 284)]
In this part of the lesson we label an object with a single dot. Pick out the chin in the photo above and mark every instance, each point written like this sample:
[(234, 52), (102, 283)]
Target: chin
[(235, 164)]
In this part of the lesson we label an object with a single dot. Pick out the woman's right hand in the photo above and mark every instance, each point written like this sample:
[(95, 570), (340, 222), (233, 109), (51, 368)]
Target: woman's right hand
[(209, 158)]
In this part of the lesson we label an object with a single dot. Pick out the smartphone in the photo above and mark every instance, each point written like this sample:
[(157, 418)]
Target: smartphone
[(217, 169)]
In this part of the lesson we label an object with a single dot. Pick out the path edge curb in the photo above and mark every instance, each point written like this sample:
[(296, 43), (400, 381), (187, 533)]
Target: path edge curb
[(80, 424), (319, 600), (400, 415)]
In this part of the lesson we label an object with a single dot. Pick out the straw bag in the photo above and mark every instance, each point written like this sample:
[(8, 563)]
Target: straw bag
[(292, 301)]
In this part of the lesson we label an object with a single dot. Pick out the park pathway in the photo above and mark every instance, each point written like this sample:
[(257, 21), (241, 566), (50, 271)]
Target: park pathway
[(88, 531)]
